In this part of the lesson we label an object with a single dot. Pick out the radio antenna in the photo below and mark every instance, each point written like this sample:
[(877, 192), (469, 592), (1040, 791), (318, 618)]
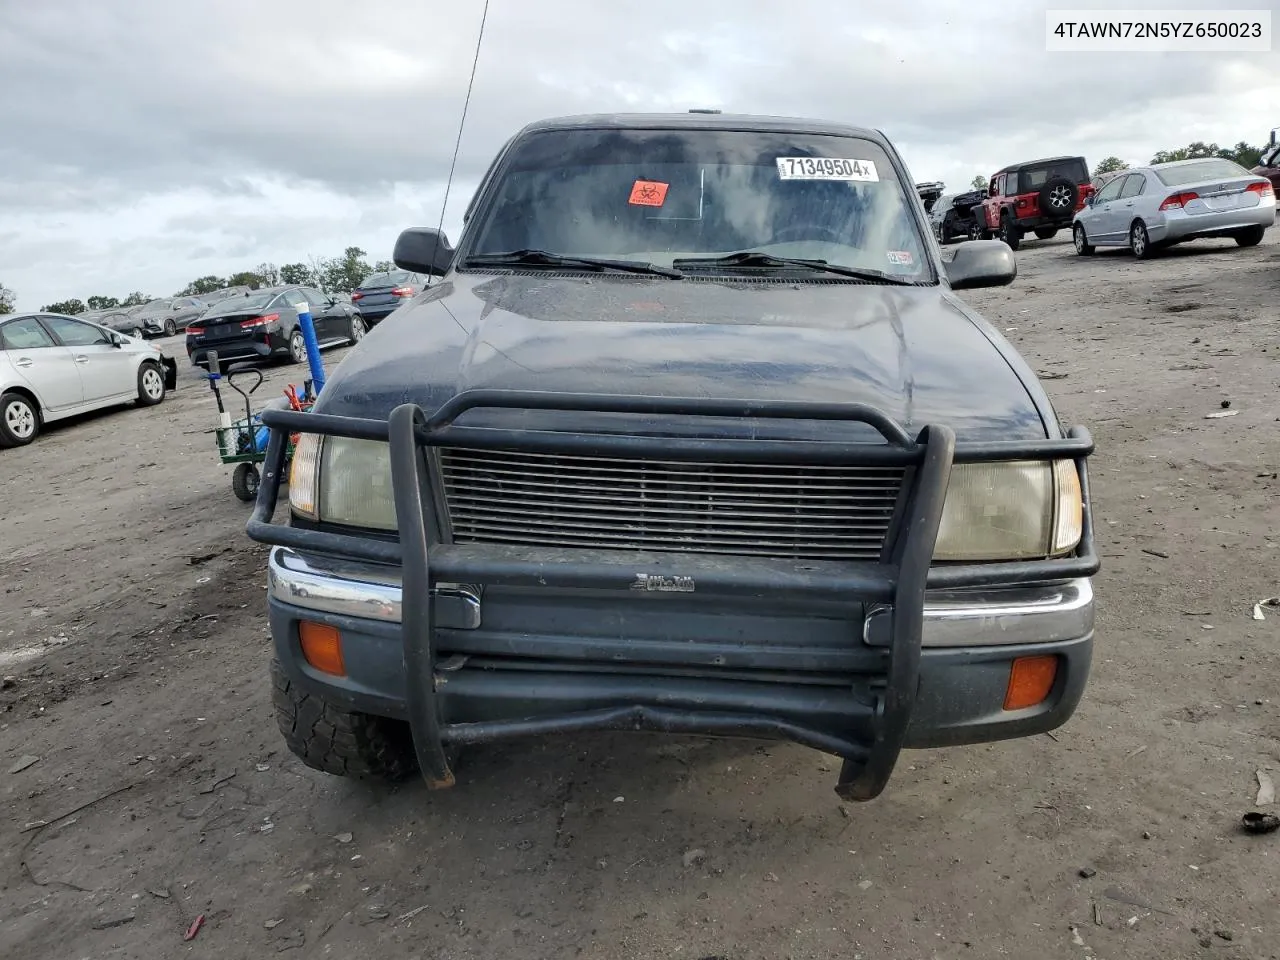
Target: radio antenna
[(484, 16)]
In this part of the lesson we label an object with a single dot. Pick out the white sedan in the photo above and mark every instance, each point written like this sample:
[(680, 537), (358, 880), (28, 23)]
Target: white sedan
[(54, 366), (1150, 208)]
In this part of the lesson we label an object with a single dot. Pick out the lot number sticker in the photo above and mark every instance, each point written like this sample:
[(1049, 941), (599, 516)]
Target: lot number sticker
[(826, 168)]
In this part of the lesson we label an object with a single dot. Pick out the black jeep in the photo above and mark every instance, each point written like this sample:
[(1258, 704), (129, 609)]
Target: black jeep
[(694, 436)]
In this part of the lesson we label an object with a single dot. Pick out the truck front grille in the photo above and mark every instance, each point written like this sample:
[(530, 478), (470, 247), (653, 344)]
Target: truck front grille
[(786, 511)]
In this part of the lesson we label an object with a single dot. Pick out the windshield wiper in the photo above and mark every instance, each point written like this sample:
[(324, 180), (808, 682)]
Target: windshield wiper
[(543, 258), (755, 258)]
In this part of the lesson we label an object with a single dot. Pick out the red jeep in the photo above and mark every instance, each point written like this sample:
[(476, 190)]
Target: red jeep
[(1040, 196)]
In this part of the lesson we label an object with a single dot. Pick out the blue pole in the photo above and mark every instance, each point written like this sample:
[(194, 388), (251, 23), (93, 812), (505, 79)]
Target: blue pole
[(313, 348)]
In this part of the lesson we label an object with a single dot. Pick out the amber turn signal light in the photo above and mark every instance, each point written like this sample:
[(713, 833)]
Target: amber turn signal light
[(322, 647), (1030, 682)]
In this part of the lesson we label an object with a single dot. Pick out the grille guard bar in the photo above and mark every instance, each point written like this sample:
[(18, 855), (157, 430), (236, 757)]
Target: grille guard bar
[(900, 580)]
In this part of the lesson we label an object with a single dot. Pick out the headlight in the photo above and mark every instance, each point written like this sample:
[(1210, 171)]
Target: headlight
[(336, 480), (302, 476), (1020, 510)]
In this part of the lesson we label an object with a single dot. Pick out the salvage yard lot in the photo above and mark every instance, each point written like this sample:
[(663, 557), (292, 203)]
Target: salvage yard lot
[(133, 627)]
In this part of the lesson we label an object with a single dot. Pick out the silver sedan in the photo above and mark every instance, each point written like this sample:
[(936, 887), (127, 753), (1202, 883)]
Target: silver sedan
[(1149, 208), (54, 366)]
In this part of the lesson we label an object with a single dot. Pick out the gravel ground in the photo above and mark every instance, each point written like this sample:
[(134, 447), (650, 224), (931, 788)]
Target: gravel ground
[(134, 634)]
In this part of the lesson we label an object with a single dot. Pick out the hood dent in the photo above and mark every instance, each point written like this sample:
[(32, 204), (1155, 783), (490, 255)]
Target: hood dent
[(905, 371)]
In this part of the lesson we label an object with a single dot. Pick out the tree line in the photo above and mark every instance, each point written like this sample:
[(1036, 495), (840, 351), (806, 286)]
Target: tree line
[(1245, 154), (330, 274)]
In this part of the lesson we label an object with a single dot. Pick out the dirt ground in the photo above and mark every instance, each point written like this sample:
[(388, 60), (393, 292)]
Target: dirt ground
[(134, 645)]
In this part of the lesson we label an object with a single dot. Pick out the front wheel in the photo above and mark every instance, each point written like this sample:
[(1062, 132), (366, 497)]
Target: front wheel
[(1140, 241), (297, 347), (245, 482), (150, 385), (344, 743), (19, 420), (1083, 247), (1250, 236), (976, 232), (170, 328)]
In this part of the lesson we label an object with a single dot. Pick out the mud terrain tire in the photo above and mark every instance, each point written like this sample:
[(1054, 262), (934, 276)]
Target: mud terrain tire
[(336, 741)]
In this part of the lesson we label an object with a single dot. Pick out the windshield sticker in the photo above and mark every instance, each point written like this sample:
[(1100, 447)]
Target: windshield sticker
[(648, 193), (827, 168), (901, 258)]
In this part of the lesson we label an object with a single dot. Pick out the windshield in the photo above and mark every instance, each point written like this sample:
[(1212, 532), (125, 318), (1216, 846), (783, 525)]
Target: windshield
[(240, 304), (1037, 176), (393, 279), (655, 196), (155, 306), (1215, 168)]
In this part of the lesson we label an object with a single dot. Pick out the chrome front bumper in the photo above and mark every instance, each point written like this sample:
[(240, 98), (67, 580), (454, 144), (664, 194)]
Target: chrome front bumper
[(968, 617), (367, 591)]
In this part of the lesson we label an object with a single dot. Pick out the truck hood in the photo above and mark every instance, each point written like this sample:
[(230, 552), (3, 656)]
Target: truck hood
[(914, 352)]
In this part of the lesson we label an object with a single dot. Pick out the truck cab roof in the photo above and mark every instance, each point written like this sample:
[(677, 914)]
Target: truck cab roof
[(702, 121)]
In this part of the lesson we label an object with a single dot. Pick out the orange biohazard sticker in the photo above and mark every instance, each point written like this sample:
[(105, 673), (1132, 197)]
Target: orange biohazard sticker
[(648, 193)]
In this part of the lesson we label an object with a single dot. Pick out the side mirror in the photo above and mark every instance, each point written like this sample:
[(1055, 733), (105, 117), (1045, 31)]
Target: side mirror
[(423, 250), (981, 263), (117, 340)]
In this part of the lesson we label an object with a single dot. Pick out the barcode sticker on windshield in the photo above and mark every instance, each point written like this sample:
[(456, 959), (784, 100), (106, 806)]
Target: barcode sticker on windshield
[(827, 168)]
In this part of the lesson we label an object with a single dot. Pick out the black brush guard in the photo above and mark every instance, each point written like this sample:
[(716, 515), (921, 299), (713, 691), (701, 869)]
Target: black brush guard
[(899, 580)]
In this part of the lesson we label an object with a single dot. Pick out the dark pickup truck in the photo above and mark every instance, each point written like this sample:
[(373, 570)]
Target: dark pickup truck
[(956, 216), (694, 436)]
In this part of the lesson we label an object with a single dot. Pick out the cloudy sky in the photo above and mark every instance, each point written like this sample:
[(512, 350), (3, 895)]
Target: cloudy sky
[(147, 142)]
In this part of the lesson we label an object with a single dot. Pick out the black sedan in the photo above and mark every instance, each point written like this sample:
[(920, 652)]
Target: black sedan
[(119, 320), (263, 324)]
